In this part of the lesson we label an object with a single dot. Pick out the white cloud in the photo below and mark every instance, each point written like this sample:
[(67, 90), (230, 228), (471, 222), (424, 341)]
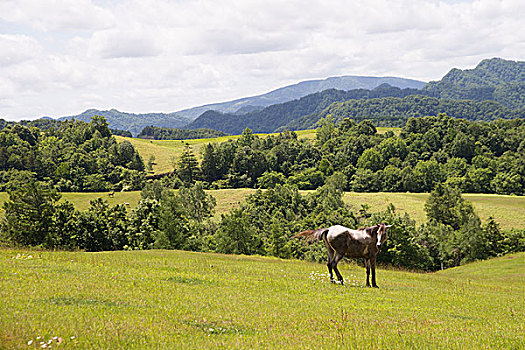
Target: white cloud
[(124, 42), (61, 57), (56, 15), (17, 48)]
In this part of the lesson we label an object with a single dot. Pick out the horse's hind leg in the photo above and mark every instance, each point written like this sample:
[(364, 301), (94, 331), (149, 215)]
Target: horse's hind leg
[(338, 258), (330, 252)]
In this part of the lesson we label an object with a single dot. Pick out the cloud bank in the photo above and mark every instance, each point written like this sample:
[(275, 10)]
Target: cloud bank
[(62, 57)]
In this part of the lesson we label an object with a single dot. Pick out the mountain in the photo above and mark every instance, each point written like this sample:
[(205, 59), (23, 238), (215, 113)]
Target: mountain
[(276, 116), (494, 89), (133, 122), (293, 92), (493, 79), (395, 111)]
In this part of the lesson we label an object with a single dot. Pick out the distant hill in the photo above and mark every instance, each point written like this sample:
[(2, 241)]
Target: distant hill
[(296, 91), (133, 122), (276, 116), (395, 111), (493, 79)]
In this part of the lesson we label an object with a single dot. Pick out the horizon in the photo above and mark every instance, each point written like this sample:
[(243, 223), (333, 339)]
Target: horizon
[(62, 59)]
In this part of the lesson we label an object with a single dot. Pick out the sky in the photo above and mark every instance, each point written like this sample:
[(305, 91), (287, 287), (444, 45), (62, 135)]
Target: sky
[(61, 57)]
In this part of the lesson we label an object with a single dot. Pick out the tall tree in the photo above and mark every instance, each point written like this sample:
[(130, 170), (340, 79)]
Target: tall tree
[(188, 166), (29, 211)]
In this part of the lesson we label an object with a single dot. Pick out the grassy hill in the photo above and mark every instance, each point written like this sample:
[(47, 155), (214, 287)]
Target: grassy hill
[(175, 299), (167, 150)]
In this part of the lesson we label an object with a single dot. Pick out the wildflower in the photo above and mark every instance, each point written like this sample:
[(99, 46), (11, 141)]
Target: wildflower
[(30, 342)]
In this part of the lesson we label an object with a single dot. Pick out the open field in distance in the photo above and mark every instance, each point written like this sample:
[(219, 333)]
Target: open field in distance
[(508, 211), (165, 151)]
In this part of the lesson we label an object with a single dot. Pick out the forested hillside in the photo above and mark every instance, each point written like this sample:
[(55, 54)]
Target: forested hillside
[(274, 117), (492, 79), (299, 90), (494, 89), (132, 122), (393, 111)]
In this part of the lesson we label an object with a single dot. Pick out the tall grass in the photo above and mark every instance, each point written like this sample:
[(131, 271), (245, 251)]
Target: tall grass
[(173, 299)]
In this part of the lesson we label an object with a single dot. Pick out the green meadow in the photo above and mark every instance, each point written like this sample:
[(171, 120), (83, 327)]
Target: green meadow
[(508, 211), (174, 299), (166, 151)]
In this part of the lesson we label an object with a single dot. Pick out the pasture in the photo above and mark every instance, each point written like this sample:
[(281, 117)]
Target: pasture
[(175, 299), (166, 151), (508, 211)]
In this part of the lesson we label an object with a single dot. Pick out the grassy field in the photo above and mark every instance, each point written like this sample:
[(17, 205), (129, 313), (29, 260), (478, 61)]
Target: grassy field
[(174, 299), (508, 211), (165, 151)]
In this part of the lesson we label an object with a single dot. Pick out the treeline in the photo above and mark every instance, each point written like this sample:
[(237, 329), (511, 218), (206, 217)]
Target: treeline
[(70, 155), (158, 133), (477, 157), (263, 225)]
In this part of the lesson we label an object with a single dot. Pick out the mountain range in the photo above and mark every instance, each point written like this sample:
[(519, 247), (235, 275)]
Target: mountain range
[(136, 122), (502, 82)]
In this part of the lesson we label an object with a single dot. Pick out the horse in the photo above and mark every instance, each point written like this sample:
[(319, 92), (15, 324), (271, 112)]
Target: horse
[(341, 241)]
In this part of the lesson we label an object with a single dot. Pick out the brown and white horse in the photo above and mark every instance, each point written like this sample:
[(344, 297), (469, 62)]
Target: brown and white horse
[(342, 242)]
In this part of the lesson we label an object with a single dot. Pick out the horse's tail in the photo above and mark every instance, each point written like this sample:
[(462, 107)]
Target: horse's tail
[(312, 235)]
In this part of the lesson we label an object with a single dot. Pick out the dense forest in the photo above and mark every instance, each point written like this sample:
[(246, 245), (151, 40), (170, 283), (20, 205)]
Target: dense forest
[(70, 155), (158, 133), (479, 157)]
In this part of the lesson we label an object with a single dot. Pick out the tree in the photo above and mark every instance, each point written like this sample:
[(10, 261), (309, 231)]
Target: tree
[(188, 166), (29, 212), (445, 205), (197, 203)]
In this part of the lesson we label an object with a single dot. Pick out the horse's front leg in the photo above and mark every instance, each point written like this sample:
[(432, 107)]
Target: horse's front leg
[(367, 265), (373, 263)]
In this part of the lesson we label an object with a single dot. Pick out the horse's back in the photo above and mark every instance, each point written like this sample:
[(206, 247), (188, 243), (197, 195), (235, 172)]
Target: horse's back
[(338, 230)]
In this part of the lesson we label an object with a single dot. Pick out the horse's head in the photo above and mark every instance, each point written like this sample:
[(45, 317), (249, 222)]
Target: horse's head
[(382, 233)]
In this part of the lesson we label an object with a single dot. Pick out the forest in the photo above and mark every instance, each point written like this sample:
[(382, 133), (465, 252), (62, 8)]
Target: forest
[(70, 156), (441, 155), (476, 157)]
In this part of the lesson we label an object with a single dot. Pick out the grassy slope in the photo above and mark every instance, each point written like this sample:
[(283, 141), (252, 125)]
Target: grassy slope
[(508, 211), (173, 299), (167, 150)]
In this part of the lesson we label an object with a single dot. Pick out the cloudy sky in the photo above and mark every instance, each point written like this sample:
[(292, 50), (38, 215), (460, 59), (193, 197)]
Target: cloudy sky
[(61, 57)]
